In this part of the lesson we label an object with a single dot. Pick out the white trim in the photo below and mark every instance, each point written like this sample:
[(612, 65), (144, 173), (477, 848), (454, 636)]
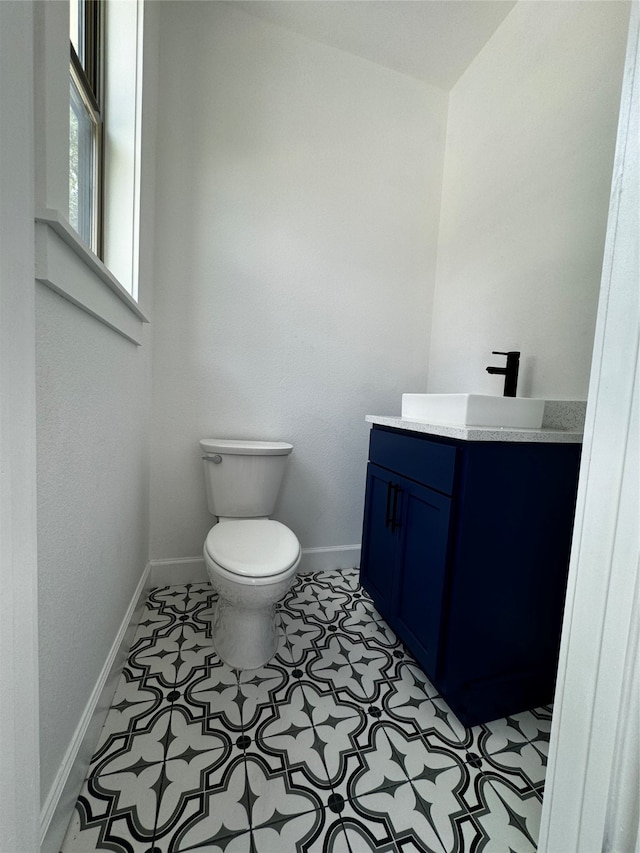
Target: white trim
[(192, 569), (137, 154), (622, 825), (122, 140), (178, 571), (58, 807), (325, 559), (72, 270), (56, 221), (588, 785)]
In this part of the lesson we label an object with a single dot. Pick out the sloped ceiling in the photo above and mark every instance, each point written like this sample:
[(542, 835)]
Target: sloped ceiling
[(431, 40)]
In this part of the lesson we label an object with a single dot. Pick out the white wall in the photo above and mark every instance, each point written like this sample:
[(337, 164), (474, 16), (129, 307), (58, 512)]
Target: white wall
[(298, 190), (92, 417), (19, 789), (92, 506), (530, 142)]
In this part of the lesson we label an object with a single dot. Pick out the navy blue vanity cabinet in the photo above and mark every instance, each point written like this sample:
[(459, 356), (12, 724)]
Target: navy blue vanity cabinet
[(465, 553), (380, 536), (418, 590), (406, 534)]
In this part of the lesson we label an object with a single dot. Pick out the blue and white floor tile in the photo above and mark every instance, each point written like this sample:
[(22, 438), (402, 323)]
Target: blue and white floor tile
[(338, 745)]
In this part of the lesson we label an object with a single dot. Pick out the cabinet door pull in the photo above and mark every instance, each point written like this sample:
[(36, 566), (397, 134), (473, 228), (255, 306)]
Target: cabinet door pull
[(388, 518), (395, 524)]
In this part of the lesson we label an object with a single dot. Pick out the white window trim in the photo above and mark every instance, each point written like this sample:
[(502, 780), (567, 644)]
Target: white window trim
[(124, 27), (67, 266), (106, 290)]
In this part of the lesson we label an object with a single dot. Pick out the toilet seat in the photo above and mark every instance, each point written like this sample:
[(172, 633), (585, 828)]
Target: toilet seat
[(253, 548)]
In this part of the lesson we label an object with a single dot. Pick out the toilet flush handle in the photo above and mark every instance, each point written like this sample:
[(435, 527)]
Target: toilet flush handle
[(216, 459)]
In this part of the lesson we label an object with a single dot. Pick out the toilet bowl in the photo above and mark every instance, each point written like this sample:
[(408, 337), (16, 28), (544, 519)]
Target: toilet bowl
[(251, 564), (251, 559)]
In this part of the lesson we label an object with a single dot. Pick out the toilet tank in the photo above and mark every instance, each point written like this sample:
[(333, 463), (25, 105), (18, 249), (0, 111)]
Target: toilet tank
[(243, 478)]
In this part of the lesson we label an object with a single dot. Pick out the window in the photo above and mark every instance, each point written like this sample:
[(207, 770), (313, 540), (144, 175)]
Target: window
[(85, 121)]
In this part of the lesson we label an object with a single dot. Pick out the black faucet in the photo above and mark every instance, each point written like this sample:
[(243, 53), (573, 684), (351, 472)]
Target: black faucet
[(510, 372)]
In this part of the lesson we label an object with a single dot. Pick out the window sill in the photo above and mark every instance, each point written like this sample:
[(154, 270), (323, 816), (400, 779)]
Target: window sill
[(71, 269)]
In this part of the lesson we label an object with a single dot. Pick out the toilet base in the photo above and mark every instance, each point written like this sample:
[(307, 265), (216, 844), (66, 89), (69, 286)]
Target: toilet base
[(245, 635), (244, 638)]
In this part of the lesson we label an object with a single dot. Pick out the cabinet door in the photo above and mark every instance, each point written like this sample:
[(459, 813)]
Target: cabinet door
[(378, 538), (421, 577)]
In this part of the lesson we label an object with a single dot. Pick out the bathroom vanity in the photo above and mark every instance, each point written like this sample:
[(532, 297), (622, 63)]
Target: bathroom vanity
[(465, 553)]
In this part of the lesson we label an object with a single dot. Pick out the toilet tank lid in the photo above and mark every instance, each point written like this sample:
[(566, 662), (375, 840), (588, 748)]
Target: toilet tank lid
[(237, 447)]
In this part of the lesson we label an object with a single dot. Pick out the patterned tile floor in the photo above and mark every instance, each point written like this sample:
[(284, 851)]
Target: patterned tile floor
[(339, 744)]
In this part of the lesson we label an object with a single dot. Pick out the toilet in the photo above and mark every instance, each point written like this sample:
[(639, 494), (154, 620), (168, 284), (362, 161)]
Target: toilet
[(251, 559)]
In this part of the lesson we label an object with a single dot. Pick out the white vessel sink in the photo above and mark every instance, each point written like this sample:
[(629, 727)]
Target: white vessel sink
[(473, 410)]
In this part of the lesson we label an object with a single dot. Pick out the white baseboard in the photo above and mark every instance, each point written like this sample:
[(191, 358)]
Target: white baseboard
[(192, 569), (178, 571), (58, 807), (325, 559)]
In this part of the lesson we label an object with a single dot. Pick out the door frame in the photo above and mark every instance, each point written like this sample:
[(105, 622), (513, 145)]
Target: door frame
[(591, 792)]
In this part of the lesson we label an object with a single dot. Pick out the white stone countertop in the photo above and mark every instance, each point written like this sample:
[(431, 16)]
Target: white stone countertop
[(549, 435)]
